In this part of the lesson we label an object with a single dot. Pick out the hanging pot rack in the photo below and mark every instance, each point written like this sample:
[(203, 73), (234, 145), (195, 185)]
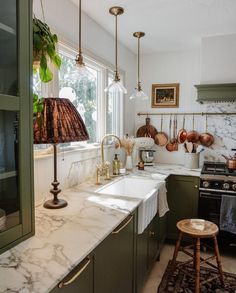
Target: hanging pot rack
[(186, 114)]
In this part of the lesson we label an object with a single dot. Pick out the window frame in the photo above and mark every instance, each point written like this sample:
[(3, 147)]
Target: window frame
[(105, 69)]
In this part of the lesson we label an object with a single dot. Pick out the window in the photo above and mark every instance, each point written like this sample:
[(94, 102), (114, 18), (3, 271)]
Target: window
[(102, 113)]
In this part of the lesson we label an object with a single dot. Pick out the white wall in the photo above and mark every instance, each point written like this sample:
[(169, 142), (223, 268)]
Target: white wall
[(219, 59), (185, 67)]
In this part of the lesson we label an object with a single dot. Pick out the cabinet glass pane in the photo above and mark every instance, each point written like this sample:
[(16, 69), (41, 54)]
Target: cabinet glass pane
[(8, 48), (9, 187)]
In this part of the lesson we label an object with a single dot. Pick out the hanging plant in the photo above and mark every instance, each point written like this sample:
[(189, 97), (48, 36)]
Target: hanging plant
[(44, 48)]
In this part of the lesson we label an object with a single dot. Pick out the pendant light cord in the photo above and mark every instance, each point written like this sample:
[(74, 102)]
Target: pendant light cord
[(80, 23), (138, 62), (117, 78)]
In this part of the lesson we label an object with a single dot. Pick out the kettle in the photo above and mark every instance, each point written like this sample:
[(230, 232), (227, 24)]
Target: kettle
[(231, 161)]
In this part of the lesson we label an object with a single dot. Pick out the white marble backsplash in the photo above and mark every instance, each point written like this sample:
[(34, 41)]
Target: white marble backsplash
[(223, 129)]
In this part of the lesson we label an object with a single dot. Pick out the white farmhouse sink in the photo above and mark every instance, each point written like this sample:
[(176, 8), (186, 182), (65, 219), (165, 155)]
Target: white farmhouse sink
[(139, 188), (130, 187)]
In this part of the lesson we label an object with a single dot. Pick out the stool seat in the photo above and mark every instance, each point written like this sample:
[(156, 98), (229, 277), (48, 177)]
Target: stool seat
[(198, 228)]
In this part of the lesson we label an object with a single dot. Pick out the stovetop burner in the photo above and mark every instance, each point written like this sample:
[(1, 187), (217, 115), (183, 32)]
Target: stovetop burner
[(217, 168)]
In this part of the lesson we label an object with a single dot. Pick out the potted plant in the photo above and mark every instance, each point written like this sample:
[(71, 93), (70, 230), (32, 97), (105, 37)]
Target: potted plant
[(44, 49)]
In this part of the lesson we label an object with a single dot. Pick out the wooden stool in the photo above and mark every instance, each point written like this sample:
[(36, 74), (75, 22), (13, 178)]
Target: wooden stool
[(197, 229)]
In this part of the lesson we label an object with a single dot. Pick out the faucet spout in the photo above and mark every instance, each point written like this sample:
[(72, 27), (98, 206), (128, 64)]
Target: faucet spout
[(102, 145)]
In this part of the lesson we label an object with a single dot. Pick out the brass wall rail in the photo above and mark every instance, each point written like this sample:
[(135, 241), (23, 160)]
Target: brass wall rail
[(187, 113)]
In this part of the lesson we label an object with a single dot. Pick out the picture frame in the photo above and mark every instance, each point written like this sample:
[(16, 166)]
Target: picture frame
[(165, 95)]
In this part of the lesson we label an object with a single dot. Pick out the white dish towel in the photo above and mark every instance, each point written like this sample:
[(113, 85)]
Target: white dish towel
[(163, 207)]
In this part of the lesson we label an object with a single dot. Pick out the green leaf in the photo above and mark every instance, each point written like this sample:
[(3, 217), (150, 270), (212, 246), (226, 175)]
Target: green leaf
[(57, 61), (37, 42), (45, 74), (51, 51), (43, 62), (55, 38)]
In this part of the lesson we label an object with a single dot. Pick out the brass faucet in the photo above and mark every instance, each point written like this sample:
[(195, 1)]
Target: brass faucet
[(102, 146)]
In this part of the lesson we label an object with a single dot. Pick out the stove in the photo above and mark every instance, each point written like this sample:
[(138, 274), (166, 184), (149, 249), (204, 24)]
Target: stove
[(217, 177), (216, 181)]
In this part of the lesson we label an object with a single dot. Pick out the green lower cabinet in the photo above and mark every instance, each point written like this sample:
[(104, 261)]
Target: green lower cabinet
[(79, 280), (149, 245), (182, 200), (114, 260)]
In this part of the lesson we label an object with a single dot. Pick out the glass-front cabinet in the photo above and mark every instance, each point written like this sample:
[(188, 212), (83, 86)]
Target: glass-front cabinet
[(16, 178)]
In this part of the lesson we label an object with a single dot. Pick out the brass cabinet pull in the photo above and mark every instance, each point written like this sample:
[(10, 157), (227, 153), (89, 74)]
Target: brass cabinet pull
[(151, 233), (118, 229), (66, 283), (196, 186)]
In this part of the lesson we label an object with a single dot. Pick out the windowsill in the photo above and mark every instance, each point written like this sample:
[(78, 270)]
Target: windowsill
[(47, 153)]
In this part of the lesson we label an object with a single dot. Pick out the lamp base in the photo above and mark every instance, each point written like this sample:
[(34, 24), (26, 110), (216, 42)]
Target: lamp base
[(51, 204)]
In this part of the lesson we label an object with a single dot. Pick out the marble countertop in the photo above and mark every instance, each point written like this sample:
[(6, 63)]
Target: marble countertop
[(64, 237)]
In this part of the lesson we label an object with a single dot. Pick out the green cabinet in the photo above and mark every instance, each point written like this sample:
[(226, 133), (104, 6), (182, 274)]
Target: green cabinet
[(148, 248), (182, 194), (79, 280), (114, 260), (16, 145)]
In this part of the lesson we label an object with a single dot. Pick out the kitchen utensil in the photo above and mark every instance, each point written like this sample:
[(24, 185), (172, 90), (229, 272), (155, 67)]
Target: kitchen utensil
[(161, 138), (193, 136), (182, 134), (175, 140), (189, 146), (231, 161), (195, 145), (206, 139), (147, 130), (169, 145)]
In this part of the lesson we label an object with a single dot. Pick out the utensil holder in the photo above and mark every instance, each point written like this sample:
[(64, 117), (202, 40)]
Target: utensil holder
[(191, 160)]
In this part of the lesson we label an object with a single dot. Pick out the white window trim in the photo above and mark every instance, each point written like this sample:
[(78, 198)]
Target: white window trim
[(51, 89)]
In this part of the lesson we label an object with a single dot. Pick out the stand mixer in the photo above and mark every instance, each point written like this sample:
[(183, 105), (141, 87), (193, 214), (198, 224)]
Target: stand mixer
[(143, 151)]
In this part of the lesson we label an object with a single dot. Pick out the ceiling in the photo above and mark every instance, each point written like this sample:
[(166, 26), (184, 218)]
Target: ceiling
[(170, 25)]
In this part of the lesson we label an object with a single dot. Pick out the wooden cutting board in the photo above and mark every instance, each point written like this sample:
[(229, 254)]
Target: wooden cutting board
[(147, 130)]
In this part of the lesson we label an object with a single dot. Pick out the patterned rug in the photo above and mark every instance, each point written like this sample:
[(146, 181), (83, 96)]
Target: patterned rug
[(181, 283)]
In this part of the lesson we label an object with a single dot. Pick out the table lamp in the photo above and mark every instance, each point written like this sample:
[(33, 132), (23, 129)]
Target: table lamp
[(60, 123)]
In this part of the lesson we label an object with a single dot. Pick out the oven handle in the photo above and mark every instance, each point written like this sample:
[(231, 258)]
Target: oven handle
[(210, 195), (217, 191)]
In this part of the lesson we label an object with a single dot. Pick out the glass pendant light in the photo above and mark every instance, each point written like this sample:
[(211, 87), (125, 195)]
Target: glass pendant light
[(81, 72), (116, 85), (138, 93)]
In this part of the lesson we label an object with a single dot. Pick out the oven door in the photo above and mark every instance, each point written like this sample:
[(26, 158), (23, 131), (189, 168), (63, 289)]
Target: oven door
[(209, 206)]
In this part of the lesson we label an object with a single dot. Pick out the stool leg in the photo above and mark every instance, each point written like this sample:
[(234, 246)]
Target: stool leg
[(177, 246), (217, 254), (197, 266)]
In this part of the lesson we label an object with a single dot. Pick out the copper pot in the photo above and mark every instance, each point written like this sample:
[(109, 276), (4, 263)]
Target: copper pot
[(206, 139), (161, 137), (193, 136), (182, 134), (169, 146), (231, 161)]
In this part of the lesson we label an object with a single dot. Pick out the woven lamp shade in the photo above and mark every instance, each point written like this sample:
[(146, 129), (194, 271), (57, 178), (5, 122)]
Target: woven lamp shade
[(61, 123)]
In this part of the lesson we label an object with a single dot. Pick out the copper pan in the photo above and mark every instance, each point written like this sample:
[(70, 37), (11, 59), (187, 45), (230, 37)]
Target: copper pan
[(174, 139), (206, 139), (169, 146), (161, 137), (182, 134), (193, 135)]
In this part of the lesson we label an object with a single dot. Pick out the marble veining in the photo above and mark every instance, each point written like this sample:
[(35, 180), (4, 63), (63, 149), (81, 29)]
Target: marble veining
[(65, 237)]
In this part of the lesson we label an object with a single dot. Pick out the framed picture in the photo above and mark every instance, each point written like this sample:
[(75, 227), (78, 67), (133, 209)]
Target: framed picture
[(165, 95)]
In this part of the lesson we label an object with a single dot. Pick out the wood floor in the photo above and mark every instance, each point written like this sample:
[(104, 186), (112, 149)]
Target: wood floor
[(155, 276)]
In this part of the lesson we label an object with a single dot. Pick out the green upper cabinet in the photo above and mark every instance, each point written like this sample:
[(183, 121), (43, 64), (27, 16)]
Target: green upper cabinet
[(16, 177), (183, 201)]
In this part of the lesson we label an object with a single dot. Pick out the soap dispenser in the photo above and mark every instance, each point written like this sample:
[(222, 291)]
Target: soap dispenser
[(116, 165)]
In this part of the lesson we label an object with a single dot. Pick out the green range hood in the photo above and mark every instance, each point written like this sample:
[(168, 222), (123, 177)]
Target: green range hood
[(225, 92)]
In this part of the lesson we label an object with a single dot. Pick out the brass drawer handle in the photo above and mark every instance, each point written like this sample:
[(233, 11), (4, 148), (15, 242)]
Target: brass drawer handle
[(117, 230), (196, 186), (151, 233), (63, 284)]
